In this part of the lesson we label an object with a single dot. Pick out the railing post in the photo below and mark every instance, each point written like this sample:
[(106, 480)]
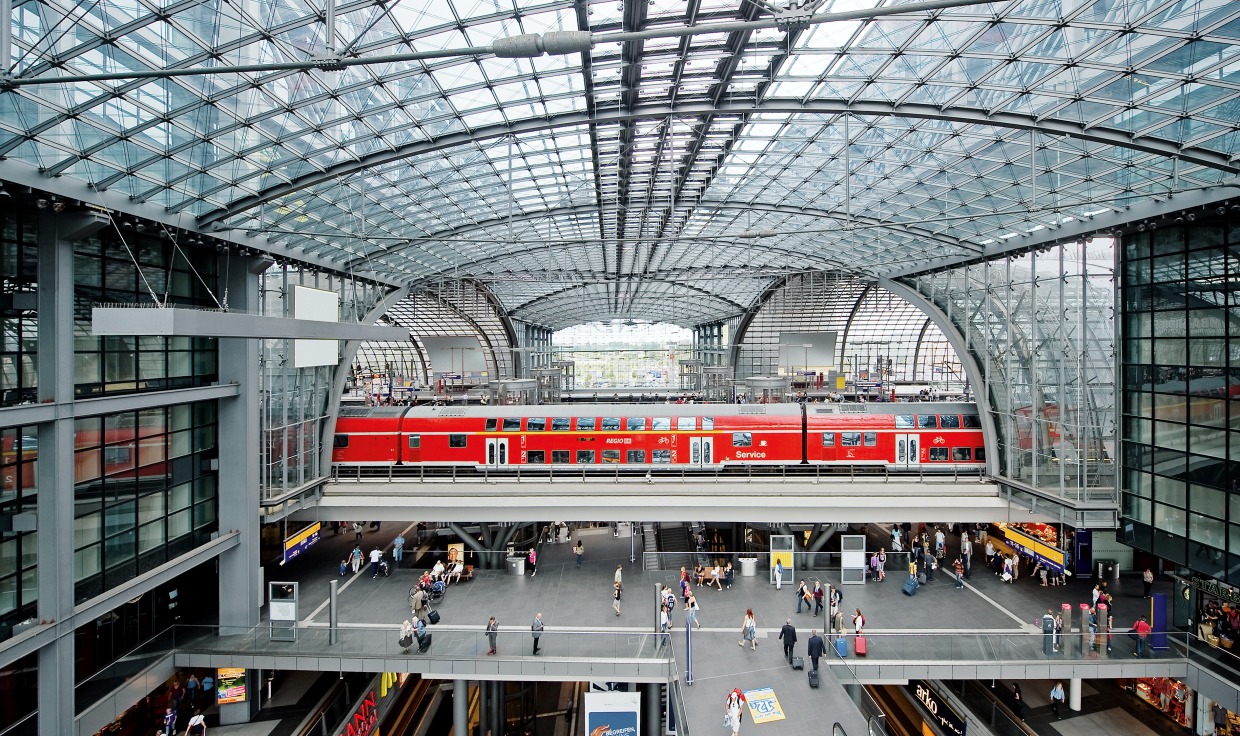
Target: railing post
[(688, 654), (333, 613)]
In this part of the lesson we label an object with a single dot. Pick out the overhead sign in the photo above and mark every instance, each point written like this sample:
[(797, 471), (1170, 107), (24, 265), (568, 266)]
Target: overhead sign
[(612, 713), (763, 705), (230, 685), (301, 541), (942, 714)]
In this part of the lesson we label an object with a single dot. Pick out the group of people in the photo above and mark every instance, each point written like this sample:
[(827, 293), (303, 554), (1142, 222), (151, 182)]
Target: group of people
[(720, 574), (187, 697)]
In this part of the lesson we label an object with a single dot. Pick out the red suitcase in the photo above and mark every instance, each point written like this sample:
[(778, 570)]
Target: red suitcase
[(859, 645)]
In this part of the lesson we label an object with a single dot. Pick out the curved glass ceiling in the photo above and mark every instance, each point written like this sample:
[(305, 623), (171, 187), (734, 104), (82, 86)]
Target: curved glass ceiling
[(670, 178)]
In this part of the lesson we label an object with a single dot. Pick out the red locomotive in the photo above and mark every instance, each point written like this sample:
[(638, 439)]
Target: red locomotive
[(931, 436)]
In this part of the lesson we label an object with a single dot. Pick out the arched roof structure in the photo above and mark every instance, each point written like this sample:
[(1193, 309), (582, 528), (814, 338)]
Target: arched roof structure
[(669, 160)]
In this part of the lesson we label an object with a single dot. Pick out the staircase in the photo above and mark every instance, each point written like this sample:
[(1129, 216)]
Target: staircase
[(675, 538), (649, 544)]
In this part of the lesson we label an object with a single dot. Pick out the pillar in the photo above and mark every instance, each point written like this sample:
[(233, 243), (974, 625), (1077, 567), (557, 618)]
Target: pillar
[(1074, 694), (460, 707), (54, 507), (483, 704), (652, 720), (498, 694)]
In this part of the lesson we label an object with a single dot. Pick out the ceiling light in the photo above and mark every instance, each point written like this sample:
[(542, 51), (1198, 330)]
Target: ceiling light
[(57, 205), (41, 203), (4, 192)]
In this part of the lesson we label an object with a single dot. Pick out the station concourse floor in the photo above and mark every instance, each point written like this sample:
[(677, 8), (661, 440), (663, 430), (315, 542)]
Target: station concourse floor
[(569, 596)]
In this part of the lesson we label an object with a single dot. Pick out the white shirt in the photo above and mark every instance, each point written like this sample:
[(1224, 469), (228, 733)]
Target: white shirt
[(375, 555)]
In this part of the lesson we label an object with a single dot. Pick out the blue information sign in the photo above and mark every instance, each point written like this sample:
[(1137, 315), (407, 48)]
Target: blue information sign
[(301, 541)]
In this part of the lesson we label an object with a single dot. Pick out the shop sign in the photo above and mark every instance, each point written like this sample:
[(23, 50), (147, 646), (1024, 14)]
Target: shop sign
[(940, 712), (364, 718), (612, 713), (1223, 592)]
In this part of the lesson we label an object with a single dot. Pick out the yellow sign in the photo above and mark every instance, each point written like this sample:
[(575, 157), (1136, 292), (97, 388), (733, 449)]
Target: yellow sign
[(763, 705), (839, 383), (784, 556)]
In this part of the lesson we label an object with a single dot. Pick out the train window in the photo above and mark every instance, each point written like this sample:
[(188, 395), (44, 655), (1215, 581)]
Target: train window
[(492, 424), (962, 454), (636, 424), (340, 440), (585, 457), (536, 457), (928, 421), (905, 421), (871, 439), (850, 439), (561, 457), (979, 454), (971, 421), (828, 439), (661, 424), (708, 422), (949, 421), (535, 424), (611, 424), (512, 424), (683, 423), (635, 456), (742, 439), (585, 424), (457, 440), (938, 453), (560, 424), (611, 456), (415, 441), (660, 457)]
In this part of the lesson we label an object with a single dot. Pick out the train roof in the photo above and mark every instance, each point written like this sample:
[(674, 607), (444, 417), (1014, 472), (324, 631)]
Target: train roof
[(686, 410), (372, 412)]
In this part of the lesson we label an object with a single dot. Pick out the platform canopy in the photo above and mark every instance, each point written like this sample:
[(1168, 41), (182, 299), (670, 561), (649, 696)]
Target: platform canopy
[(654, 159)]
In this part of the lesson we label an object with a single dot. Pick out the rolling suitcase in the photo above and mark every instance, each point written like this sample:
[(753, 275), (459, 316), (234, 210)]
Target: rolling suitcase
[(910, 586), (433, 617), (798, 663), (859, 645), (921, 578), (813, 678), (841, 646), (424, 643)]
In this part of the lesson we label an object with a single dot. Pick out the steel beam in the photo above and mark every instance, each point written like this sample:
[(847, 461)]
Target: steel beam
[(170, 321), (26, 414)]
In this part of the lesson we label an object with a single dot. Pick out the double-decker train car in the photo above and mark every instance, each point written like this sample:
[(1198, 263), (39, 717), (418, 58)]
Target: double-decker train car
[(930, 436)]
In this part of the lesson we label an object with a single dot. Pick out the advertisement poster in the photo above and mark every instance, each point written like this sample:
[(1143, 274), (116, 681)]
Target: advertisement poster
[(230, 684), (763, 705), (612, 714)]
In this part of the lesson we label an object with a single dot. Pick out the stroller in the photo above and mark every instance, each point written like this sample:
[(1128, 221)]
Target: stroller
[(437, 591), (385, 569)]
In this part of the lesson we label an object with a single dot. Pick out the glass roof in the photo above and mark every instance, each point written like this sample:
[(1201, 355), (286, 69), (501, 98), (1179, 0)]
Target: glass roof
[(664, 178)]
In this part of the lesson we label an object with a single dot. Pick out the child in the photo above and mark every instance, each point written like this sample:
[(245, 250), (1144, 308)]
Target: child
[(344, 565)]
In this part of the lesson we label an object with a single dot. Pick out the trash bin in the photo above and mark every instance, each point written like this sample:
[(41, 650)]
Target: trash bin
[(749, 566), (516, 565), (1106, 569), (1113, 569)]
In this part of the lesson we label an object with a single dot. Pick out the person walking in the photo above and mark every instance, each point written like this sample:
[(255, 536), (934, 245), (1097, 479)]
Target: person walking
[(492, 634), (691, 611), (1018, 702), (858, 622), (375, 556), (958, 568), (615, 594), (1140, 631), (170, 722), (1147, 579), (804, 596), (815, 648), (355, 559), (620, 576), (536, 628), (357, 531), (819, 596), (966, 553), (532, 559), (1056, 699), (788, 635), (880, 567), (732, 714), (779, 574), (398, 549), (579, 550), (197, 725), (665, 624), (749, 631)]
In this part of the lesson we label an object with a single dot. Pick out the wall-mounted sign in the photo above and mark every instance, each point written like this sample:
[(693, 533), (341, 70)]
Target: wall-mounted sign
[(301, 541), (230, 685), (940, 712), (1222, 591), (612, 713), (364, 719), (1050, 557)]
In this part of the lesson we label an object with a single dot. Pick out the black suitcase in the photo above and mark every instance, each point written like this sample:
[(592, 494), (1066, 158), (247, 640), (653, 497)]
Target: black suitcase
[(813, 679), (405, 642), (433, 617), (910, 586), (798, 663), (424, 643)]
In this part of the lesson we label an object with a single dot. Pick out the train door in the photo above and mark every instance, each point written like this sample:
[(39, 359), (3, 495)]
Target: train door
[(701, 450), (906, 450), (497, 451)]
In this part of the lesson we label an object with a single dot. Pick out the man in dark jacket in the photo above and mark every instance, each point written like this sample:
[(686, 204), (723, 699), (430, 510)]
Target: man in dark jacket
[(816, 648), (789, 635)]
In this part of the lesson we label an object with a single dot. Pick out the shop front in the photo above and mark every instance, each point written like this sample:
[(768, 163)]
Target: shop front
[(1169, 696)]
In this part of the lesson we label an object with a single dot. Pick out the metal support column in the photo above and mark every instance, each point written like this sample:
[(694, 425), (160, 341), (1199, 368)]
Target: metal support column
[(652, 718), (460, 707), (54, 506), (333, 613), (484, 700)]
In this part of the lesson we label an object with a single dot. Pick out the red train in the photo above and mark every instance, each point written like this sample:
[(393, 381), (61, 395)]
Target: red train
[(931, 436)]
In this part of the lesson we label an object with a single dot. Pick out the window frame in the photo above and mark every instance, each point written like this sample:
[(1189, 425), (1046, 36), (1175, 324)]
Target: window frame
[(457, 441), (742, 439)]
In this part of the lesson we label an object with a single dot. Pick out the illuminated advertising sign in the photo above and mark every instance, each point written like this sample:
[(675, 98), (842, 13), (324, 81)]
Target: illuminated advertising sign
[(230, 685), (940, 712), (612, 713), (1050, 557), (301, 541), (364, 719)]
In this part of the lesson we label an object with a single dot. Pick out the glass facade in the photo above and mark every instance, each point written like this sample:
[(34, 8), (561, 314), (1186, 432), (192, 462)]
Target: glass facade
[(1041, 327), (1181, 394)]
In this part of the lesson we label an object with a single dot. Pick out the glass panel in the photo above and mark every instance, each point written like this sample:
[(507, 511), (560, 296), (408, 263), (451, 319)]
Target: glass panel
[(535, 424), (512, 424), (585, 424), (686, 423)]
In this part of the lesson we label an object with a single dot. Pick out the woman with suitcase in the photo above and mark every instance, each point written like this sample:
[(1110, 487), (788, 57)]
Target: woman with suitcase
[(406, 636)]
